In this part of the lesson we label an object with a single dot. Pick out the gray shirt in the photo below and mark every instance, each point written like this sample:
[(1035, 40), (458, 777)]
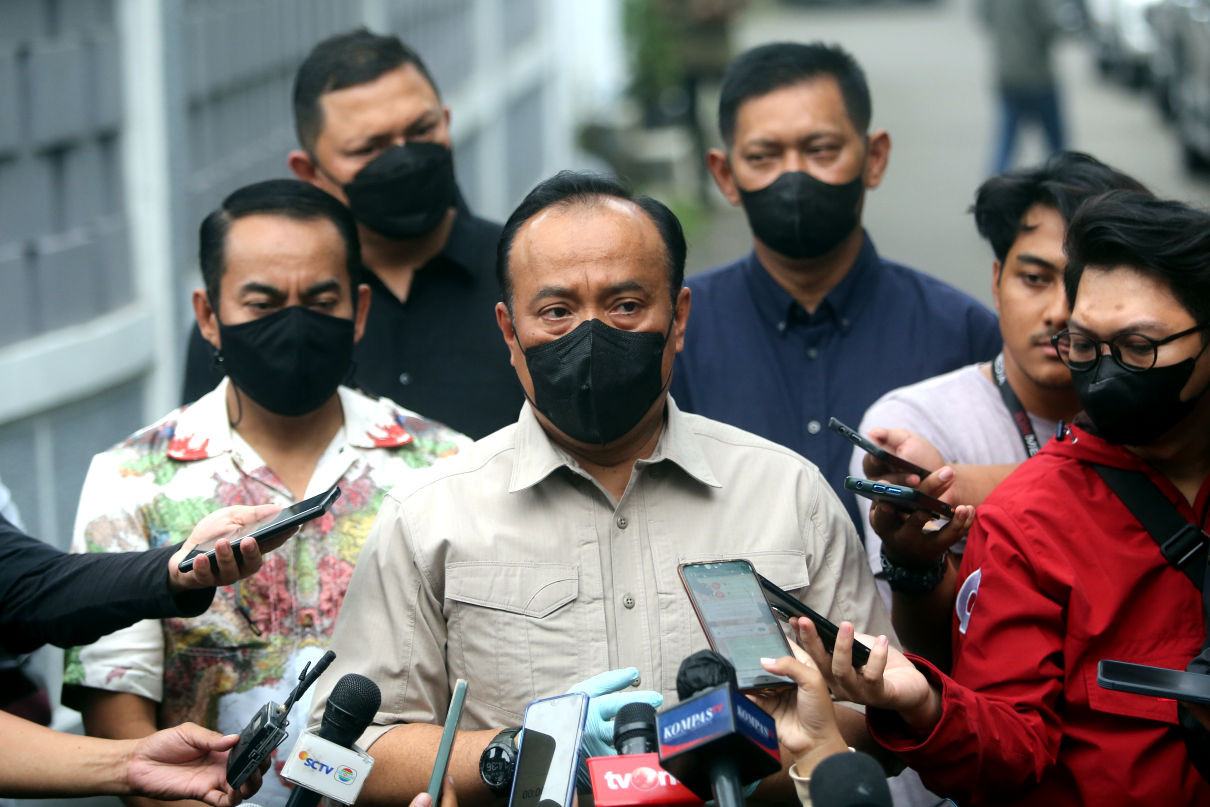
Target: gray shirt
[(1022, 34), (510, 566)]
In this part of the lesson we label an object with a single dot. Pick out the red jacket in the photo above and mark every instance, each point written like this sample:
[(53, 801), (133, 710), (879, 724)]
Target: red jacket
[(1058, 575)]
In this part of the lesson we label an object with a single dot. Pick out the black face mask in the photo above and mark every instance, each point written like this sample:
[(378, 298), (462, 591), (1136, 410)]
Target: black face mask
[(596, 382), (290, 362), (405, 191), (800, 216), (1134, 408)]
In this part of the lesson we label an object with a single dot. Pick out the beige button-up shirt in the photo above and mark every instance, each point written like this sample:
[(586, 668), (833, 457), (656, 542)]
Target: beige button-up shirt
[(510, 566)]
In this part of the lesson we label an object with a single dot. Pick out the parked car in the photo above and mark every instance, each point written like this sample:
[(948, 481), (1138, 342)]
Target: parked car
[(1123, 38), (1181, 74)]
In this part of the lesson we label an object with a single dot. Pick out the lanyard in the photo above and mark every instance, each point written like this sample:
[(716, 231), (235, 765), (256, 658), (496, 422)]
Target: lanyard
[(1015, 409)]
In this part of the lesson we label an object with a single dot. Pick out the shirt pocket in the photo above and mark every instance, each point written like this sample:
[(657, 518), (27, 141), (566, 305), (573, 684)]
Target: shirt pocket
[(682, 633), (514, 633)]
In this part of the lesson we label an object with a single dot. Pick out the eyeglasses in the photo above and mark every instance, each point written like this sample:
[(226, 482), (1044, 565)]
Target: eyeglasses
[(1133, 351)]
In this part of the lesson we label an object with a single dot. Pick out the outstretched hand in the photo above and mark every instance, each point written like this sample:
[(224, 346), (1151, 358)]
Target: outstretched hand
[(887, 681), (186, 762), (806, 720), (222, 524), (904, 537)]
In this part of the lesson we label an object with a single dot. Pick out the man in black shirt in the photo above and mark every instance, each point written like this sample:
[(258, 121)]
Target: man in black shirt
[(374, 133)]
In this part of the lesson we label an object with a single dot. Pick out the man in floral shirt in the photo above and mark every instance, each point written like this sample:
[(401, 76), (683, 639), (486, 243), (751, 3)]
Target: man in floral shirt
[(282, 308)]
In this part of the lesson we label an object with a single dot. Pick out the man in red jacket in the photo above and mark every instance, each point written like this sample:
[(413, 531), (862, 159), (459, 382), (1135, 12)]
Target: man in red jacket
[(1058, 573)]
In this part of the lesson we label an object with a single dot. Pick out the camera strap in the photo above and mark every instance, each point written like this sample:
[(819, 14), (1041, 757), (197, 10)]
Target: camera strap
[(1015, 408), (1183, 544)]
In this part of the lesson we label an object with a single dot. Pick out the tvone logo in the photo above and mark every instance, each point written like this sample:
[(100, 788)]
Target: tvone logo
[(640, 779)]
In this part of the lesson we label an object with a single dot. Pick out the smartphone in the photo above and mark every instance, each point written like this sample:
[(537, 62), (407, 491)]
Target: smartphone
[(549, 752), (734, 614), (899, 495), (452, 718), (786, 606), (288, 518), (1160, 682), (878, 452)]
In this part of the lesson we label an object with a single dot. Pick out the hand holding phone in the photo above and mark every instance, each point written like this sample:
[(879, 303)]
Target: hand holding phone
[(549, 752), (266, 529), (786, 607), (893, 462), (900, 496)]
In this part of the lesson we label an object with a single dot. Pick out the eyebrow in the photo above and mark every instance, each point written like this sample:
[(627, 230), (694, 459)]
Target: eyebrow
[(1035, 260), (564, 291), (322, 287), (272, 292), (1134, 327)]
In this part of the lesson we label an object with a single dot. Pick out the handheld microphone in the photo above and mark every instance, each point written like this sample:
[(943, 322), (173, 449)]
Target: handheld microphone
[(716, 740), (849, 779), (634, 778), (327, 763)]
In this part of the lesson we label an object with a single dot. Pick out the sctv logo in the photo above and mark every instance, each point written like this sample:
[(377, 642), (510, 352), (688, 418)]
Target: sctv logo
[(313, 763)]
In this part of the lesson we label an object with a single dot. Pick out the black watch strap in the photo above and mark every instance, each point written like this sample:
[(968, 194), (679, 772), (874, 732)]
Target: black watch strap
[(498, 761), (913, 581)]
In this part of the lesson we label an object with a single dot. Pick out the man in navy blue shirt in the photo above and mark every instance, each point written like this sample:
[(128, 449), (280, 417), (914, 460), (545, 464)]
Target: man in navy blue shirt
[(813, 323)]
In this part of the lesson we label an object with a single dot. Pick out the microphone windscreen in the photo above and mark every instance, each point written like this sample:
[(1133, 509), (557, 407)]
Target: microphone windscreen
[(849, 779), (635, 721), (350, 709), (702, 670)]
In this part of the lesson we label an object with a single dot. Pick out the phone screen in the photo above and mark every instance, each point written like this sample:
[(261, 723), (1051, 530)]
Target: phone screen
[(549, 752), (736, 617)]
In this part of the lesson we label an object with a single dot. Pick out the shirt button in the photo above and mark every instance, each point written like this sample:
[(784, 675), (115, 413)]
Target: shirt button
[(405, 378), (812, 353), (628, 601), (638, 681), (813, 427), (623, 524), (307, 620)]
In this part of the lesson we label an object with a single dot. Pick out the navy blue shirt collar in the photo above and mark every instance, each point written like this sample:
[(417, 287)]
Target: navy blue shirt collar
[(842, 304)]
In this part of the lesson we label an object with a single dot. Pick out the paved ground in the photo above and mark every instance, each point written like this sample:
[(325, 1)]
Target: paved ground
[(929, 76)]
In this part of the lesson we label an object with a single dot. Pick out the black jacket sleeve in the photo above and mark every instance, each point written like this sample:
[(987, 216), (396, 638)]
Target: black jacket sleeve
[(49, 596)]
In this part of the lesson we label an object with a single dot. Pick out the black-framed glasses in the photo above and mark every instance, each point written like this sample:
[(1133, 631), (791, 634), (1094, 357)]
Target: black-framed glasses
[(1132, 351)]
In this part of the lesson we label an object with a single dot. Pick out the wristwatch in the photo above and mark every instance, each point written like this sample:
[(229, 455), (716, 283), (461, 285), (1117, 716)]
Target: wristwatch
[(499, 760), (913, 581)]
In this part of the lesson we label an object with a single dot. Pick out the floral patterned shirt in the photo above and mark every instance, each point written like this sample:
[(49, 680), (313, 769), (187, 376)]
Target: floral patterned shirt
[(219, 668)]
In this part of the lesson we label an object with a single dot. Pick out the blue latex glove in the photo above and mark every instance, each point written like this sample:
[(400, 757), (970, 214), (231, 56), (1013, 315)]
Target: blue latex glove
[(608, 692)]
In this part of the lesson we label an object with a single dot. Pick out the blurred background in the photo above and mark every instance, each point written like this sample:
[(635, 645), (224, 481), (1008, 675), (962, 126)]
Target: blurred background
[(122, 122)]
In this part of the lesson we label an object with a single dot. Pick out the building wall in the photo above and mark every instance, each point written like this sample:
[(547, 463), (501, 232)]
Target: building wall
[(122, 122)]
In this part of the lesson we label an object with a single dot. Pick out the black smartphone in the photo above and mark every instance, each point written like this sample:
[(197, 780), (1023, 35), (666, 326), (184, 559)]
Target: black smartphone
[(288, 518), (899, 495), (1160, 682), (736, 618), (549, 752), (786, 606), (452, 718), (878, 452)]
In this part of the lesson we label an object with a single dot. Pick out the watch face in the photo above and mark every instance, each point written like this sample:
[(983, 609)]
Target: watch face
[(496, 767)]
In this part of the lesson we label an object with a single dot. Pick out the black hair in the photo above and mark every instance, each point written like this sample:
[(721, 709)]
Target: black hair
[(1165, 239), (763, 69), (568, 188), (291, 198), (1063, 182), (340, 61)]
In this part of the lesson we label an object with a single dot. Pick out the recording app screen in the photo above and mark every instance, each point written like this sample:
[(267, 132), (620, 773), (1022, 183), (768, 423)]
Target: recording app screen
[(738, 619), (546, 764)]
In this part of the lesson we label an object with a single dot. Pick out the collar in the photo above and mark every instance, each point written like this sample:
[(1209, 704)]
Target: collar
[(203, 431), (537, 456), (842, 304), (462, 248)]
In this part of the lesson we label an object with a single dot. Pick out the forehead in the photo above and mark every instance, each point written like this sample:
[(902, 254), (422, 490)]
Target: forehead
[(398, 95), (1041, 234), (603, 240), (1116, 296), (278, 250), (795, 110)]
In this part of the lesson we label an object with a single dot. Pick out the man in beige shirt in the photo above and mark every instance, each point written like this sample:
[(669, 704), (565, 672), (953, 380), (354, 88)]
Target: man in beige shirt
[(548, 551)]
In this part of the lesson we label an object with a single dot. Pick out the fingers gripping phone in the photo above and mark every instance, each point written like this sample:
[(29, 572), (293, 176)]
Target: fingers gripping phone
[(899, 495), (452, 718), (879, 453), (736, 618), (549, 752), (786, 606), (264, 529)]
